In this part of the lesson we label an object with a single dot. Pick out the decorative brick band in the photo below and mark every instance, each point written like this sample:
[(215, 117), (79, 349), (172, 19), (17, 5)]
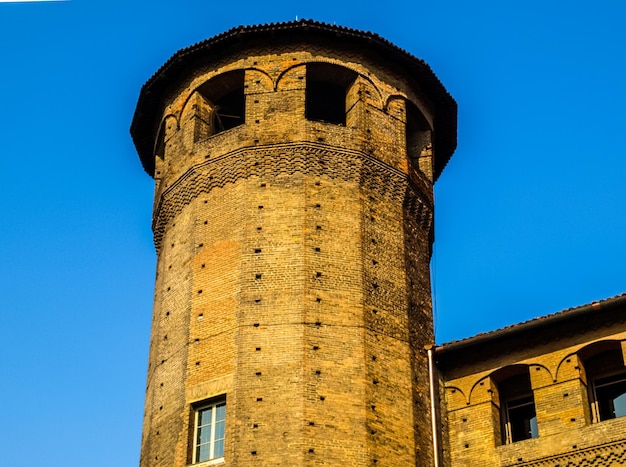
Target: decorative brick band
[(306, 158), (597, 456)]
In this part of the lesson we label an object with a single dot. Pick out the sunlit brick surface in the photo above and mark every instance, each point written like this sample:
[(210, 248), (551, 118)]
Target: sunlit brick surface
[(293, 263)]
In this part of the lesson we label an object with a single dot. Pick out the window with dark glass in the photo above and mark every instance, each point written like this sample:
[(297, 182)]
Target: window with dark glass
[(606, 375), (209, 431), (517, 406)]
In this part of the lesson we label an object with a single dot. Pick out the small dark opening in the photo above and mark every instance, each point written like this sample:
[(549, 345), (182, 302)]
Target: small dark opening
[(159, 149), (417, 132), (611, 396), (230, 111), (326, 87)]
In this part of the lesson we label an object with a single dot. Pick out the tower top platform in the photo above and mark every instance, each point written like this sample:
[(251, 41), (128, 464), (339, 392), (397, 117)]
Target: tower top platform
[(183, 64)]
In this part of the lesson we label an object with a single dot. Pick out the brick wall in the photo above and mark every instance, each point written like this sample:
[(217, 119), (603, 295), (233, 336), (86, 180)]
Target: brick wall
[(293, 271)]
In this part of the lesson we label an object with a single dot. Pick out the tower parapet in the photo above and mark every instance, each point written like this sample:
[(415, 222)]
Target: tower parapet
[(294, 166)]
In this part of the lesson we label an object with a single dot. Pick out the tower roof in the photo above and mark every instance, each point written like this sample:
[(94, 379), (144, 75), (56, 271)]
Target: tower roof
[(144, 125)]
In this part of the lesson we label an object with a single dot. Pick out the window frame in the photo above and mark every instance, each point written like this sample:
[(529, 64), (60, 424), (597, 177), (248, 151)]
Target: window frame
[(198, 409), (598, 412), (226, 96), (510, 421), (603, 360)]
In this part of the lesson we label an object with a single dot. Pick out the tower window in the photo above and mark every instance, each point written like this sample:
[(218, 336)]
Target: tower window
[(326, 87), (418, 140), (209, 431), (225, 95), (517, 407), (606, 375), (610, 396), (159, 148)]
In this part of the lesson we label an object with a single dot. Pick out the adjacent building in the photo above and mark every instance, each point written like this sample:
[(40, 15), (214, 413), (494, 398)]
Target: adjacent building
[(547, 392)]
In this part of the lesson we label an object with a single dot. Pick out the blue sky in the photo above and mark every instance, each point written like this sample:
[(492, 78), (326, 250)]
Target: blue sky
[(529, 212)]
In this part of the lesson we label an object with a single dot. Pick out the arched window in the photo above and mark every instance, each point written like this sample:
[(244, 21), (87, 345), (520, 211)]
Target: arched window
[(225, 95), (606, 380), (326, 88), (518, 417)]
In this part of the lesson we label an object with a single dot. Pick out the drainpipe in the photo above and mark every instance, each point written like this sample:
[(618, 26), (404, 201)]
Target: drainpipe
[(433, 405)]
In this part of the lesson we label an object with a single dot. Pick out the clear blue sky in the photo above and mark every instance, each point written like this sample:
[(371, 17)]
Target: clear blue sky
[(529, 218)]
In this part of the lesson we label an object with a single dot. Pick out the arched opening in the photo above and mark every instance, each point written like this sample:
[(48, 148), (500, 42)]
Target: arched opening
[(518, 417), (606, 379), (225, 95), (418, 140), (159, 147), (326, 88)]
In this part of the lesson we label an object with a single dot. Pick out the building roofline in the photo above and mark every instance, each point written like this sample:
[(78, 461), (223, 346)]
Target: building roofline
[(143, 128), (535, 324)]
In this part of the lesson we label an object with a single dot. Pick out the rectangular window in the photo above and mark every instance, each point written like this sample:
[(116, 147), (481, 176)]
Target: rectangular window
[(610, 396), (521, 420), (209, 431), (517, 405), (606, 374)]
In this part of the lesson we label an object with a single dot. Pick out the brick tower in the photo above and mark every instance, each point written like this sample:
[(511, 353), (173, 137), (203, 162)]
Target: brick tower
[(294, 167)]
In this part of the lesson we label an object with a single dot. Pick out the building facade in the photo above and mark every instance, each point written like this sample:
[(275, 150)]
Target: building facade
[(550, 392), (293, 221)]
